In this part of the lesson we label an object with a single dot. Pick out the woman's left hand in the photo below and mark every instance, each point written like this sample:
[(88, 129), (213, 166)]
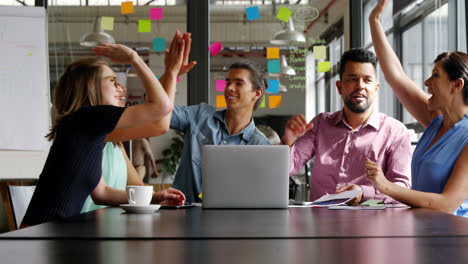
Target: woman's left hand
[(116, 53)]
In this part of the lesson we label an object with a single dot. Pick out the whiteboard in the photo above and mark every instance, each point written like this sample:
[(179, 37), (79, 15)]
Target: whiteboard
[(24, 91)]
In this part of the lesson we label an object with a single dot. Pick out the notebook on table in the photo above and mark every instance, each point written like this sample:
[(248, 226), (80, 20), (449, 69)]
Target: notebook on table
[(240, 176)]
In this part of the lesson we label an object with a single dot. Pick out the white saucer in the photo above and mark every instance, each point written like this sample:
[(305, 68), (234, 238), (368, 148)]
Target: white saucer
[(140, 209)]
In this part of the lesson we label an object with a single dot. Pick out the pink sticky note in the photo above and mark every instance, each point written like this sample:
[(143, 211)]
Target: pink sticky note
[(215, 48), (178, 79), (220, 84), (156, 13)]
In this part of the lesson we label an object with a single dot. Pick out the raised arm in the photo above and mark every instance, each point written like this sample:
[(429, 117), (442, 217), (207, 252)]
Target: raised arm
[(168, 80), (414, 99), (157, 104), (296, 127)]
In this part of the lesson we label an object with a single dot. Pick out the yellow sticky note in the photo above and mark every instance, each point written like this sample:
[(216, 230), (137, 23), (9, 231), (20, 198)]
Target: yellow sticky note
[(324, 66), (144, 25), (127, 7), (220, 101), (29, 54), (107, 23), (272, 53), (320, 52), (262, 105), (284, 14), (274, 101)]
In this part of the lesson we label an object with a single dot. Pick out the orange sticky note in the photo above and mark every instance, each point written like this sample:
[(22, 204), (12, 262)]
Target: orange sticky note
[(127, 7), (220, 101), (272, 53), (274, 101)]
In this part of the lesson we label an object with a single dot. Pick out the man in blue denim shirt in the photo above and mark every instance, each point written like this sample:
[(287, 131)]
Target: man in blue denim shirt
[(203, 125)]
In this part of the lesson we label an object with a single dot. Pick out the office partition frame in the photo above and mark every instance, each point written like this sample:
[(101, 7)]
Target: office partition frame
[(198, 20)]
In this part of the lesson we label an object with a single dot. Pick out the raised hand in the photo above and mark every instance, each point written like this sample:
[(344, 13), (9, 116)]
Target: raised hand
[(378, 10), (175, 55), (116, 53), (295, 127), (186, 65)]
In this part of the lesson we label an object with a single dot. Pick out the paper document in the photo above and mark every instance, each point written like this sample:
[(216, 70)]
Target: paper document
[(372, 202), (337, 198)]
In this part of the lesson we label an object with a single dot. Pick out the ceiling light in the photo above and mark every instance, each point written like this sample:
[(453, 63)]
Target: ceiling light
[(285, 68), (282, 88), (288, 36), (96, 37)]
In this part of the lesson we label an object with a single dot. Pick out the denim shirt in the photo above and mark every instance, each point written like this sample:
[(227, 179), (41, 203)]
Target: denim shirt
[(203, 125)]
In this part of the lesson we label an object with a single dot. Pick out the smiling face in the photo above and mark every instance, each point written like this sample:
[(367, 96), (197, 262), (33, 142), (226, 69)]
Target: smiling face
[(239, 91), (438, 86), (113, 93), (358, 86)]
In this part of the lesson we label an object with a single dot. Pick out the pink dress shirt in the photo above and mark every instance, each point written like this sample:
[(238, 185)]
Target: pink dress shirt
[(340, 153)]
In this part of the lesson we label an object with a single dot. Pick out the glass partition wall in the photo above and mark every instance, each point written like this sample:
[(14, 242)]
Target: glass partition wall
[(418, 30), (146, 26), (299, 43)]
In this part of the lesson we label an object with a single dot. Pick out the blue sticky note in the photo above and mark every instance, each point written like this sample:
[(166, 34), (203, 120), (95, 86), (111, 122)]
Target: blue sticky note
[(159, 44), (273, 86), (252, 13), (274, 66)]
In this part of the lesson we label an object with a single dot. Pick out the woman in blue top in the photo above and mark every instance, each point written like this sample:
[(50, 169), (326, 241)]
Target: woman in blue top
[(87, 101), (440, 160)]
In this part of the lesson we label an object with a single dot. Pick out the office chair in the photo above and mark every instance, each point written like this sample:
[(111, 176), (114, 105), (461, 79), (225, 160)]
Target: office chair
[(20, 196)]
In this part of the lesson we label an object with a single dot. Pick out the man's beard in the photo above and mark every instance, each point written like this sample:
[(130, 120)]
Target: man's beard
[(359, 107)]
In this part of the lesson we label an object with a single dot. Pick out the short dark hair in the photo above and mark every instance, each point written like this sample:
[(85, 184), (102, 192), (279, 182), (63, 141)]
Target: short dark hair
[(357, 55), (258, 74), (455, 64)]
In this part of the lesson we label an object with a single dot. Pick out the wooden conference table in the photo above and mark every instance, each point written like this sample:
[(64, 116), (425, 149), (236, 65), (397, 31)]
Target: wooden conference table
[(196, 235)]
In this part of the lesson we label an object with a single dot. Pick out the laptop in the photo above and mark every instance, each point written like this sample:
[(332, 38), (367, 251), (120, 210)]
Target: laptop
[(245, 176)]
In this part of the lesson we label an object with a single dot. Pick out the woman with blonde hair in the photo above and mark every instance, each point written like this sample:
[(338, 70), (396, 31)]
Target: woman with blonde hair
[(440, 161), (87, 99), (117, 169)]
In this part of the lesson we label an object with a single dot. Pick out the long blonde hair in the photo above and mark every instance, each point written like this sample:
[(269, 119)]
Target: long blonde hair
[(79, 85)]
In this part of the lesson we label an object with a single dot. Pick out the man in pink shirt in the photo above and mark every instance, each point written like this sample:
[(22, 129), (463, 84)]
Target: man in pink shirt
[(341, 141)]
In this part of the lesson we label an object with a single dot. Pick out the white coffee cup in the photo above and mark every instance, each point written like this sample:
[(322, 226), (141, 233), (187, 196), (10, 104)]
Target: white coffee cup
[(139, 194)]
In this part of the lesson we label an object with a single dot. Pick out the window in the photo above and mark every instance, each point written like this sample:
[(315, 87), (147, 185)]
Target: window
[(94, 2), (386, 101), (462, 26), (420, 46), (412, 60), (336, 49), (435, 39), (386, 19)]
